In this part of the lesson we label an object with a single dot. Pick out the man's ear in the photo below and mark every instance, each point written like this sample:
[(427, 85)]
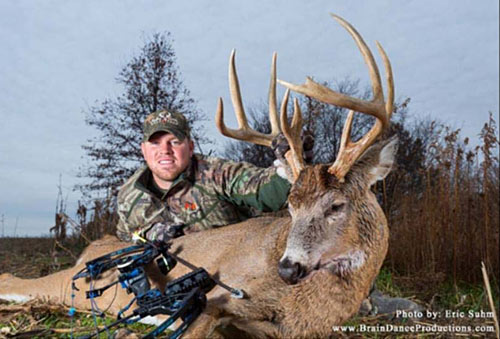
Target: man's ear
[(377, 161), (191, 148), (143, 147)]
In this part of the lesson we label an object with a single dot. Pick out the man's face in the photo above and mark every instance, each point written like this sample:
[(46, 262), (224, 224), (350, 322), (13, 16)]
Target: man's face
[(167, 157)]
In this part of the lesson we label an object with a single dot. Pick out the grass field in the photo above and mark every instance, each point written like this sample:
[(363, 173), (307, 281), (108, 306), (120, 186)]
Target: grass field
[(33, 257)]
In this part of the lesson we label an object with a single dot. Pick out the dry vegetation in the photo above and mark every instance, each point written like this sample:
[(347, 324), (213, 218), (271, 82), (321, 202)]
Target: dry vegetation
[(34, 257), (443, 216), (449, 223)]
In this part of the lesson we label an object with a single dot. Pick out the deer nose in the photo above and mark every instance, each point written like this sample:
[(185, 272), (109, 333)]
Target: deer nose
[(291, 272)]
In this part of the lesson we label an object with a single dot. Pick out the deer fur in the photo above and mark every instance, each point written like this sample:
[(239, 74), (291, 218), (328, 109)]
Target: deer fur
[(337, 235)]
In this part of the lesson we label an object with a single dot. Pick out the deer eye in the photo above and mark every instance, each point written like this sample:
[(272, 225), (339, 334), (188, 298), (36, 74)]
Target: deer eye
[(333, 209)]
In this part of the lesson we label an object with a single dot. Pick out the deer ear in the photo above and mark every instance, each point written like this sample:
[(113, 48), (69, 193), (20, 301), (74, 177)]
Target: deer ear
[(383, 165), (377, 161)]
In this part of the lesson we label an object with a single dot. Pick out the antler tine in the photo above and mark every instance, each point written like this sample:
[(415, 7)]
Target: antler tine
[(389, 80), (244, 132), (292, 134), (349, 152), (325, 94), (273, 106), (234, 89)]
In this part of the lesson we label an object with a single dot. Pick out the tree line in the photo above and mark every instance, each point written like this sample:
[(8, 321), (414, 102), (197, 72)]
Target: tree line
[(441, 199)]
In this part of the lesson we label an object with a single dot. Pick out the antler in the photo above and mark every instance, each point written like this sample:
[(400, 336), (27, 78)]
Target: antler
[(245, 133), (350, 151), (292, 134)]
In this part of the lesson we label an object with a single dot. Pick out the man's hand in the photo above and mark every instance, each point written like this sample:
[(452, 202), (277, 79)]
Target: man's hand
[(164, 232), (280, 146)]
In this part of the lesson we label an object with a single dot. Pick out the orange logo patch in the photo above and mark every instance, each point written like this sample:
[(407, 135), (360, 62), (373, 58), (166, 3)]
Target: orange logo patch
[(190, 206)]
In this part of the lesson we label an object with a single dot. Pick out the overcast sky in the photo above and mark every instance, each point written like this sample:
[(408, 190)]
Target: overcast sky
[(60, 57)]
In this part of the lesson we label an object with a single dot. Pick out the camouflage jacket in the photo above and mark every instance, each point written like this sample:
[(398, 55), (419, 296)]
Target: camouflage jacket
[(211, 192)]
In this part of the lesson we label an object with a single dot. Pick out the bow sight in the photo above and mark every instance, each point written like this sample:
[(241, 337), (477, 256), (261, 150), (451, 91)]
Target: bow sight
[(184, 297)]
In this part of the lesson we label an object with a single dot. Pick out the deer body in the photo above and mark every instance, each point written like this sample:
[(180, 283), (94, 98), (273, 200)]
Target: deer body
[(302, 274), (247, 255)]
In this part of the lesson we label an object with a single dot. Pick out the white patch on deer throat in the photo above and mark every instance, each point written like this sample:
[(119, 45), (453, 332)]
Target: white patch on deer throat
[(15, 297), (346, 263), (357, 259)]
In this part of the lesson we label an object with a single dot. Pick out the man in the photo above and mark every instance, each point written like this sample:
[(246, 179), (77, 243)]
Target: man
[(180, 192)]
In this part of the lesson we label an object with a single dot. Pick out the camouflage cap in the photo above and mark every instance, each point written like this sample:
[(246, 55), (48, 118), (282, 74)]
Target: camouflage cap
[(163, 120)]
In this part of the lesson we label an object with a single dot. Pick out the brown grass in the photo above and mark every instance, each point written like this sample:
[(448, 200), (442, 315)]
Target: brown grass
[(451, 223), (35, 257)]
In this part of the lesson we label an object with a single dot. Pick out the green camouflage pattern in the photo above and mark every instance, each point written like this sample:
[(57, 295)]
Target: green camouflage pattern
[(212, 192)]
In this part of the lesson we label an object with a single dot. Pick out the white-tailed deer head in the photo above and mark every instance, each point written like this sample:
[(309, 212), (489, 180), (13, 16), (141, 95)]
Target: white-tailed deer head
[(335, 217)]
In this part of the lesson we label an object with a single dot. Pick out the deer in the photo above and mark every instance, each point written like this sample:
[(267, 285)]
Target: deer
[(302, 273)]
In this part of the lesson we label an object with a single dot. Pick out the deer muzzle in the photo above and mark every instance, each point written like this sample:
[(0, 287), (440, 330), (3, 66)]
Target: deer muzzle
[(291, 272)]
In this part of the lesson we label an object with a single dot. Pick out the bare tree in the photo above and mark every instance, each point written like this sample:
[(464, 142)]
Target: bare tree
[(151, 82)]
